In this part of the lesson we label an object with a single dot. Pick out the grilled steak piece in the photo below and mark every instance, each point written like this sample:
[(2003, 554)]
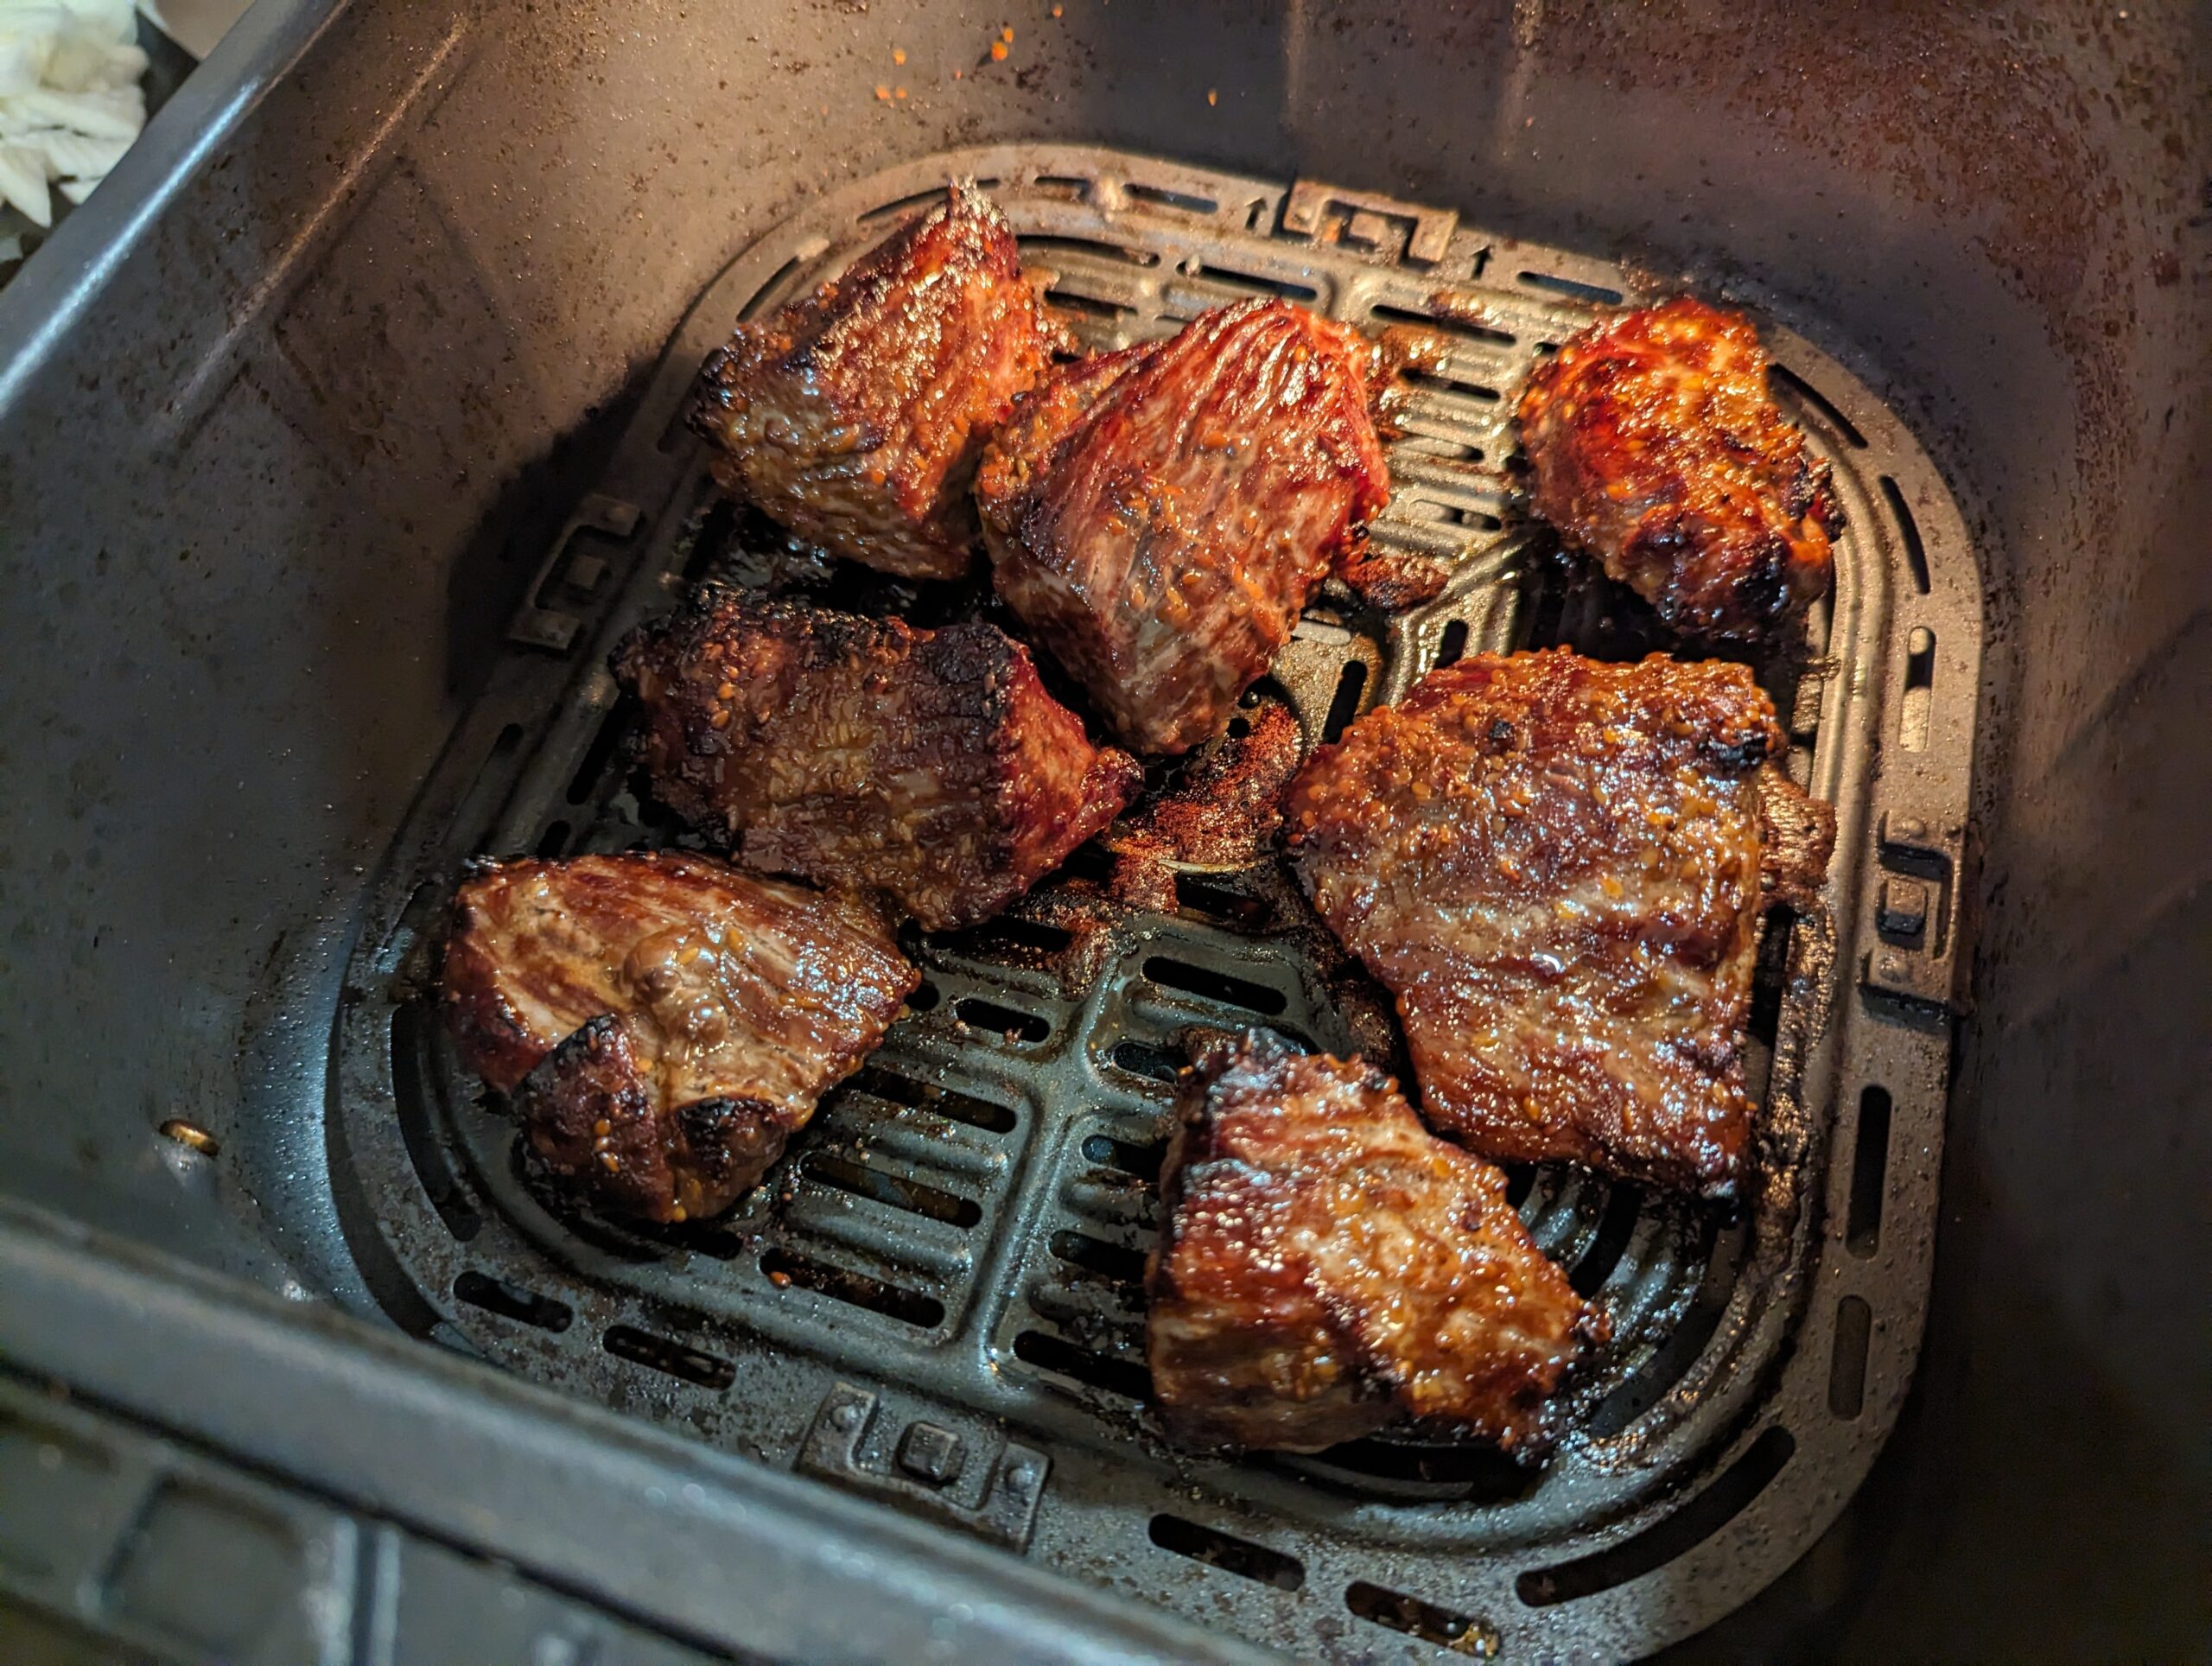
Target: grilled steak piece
[(856, 417), (1656, 446), (1796, 838), (663, 1023), (1555, 866), (1157, 516), (859, 752), (1328, 1265)]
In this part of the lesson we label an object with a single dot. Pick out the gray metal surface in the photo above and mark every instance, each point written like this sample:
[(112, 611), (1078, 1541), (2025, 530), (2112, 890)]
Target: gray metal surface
[(961, 1228), (291, 410), (297, 1486)]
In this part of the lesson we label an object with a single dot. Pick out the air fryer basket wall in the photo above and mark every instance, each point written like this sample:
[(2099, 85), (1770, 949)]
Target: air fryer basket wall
[(292, 453)]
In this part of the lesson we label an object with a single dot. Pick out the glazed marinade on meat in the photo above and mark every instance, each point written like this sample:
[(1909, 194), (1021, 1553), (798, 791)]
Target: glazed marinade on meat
[(1327, 1266), (1157, 516), (1654, 445), (931, 765), (855, 415), (662, 1023), (1555, 866)]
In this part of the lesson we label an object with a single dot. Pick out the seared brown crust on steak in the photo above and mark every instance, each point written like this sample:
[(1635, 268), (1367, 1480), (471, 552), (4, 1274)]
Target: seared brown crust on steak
[(1327, 1266), (1656, 446), (856, 417), (663, 1023), (930, 766), (1796, 838), (1157, 516), (1554, 864)]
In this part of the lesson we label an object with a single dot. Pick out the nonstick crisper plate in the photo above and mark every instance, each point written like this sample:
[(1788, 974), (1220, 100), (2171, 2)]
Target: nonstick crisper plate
[(934, 1300)]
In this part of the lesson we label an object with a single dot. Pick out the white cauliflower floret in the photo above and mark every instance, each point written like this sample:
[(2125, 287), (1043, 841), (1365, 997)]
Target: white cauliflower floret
[(70, 102)]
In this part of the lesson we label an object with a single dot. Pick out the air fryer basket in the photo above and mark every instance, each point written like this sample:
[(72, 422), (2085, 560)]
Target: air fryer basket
[(934, 1298), (331, 457)]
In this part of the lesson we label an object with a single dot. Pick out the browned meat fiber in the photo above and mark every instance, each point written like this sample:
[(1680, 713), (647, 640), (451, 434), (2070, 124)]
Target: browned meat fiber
[(1656, 446), (856, 417), (930, 766), (1327, 1266), (1555, 866), (663, 1023), (1157, 516)]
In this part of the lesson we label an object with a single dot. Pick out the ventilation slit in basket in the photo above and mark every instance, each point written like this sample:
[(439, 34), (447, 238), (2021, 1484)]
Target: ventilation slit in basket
[(1225, 1551)]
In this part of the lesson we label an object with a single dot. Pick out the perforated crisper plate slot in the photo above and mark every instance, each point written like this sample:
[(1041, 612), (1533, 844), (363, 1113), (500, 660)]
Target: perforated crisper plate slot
[(961, 1229)]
